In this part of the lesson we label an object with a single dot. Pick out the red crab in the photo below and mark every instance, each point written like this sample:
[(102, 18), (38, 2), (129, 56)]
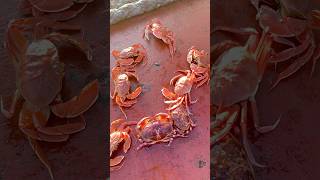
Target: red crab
[(287, 23), (40, 65), (119, 132), (156, 28), (182, 121), (182, 88), (122, 94), (197, 66), (129, 57), (57, 10), (237, 72), (156, 129)]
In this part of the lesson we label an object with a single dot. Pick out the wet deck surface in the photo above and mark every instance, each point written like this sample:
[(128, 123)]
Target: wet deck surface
[(292, 150), (83, 155), (186, 158)]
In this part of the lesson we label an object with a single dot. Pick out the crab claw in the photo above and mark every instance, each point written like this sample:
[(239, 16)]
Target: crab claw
[(116, 161), (168, 94), (78, 104), (27, 127), (40, 120)]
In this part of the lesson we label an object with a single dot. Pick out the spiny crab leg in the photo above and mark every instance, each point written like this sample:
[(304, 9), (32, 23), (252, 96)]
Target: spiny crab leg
[(244, 130), (78, 104)]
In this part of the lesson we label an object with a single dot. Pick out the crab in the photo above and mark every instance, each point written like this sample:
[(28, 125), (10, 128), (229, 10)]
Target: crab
[(156, 28), (237, 72), (182, 121), (54, 9), (287, 24), (122, 94), (129, 57), (119, 132), (182, 90), (197, 66), (40, 66), (156, 129)]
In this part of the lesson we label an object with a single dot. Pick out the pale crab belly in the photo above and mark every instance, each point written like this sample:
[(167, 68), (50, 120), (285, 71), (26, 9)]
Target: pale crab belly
[(115, 139), (230, 87), (122, 88), (182, 88)]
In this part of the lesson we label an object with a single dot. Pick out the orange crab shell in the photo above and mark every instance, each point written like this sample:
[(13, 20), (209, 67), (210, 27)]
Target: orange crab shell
[(155, 128)]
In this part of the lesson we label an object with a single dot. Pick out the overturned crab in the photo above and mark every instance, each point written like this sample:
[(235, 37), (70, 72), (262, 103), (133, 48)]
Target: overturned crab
[(197, 66), (236, 75), (156, 129), (119, 132), (123, 94), (40, 65), (156, 28), (182, 90), (58, 10), (182, 121), (290, 27), (129, 57)]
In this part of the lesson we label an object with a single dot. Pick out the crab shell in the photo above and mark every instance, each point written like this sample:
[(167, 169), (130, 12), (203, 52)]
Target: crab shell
[(151, 129), (235, 77), (41, 65), (184, 85), (181, 120), (195, 56), (122, 85)]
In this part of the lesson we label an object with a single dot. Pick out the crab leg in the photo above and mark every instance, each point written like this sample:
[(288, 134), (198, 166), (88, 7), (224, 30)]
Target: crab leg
[(78, 104), (173, 101), (176, 104), (231, 118), (291, 52), (8, 113), (203, 79), (243, 123), (295, 66), (186, 101), (191, 102), (260, 129), (41, 155), (175, 78)]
